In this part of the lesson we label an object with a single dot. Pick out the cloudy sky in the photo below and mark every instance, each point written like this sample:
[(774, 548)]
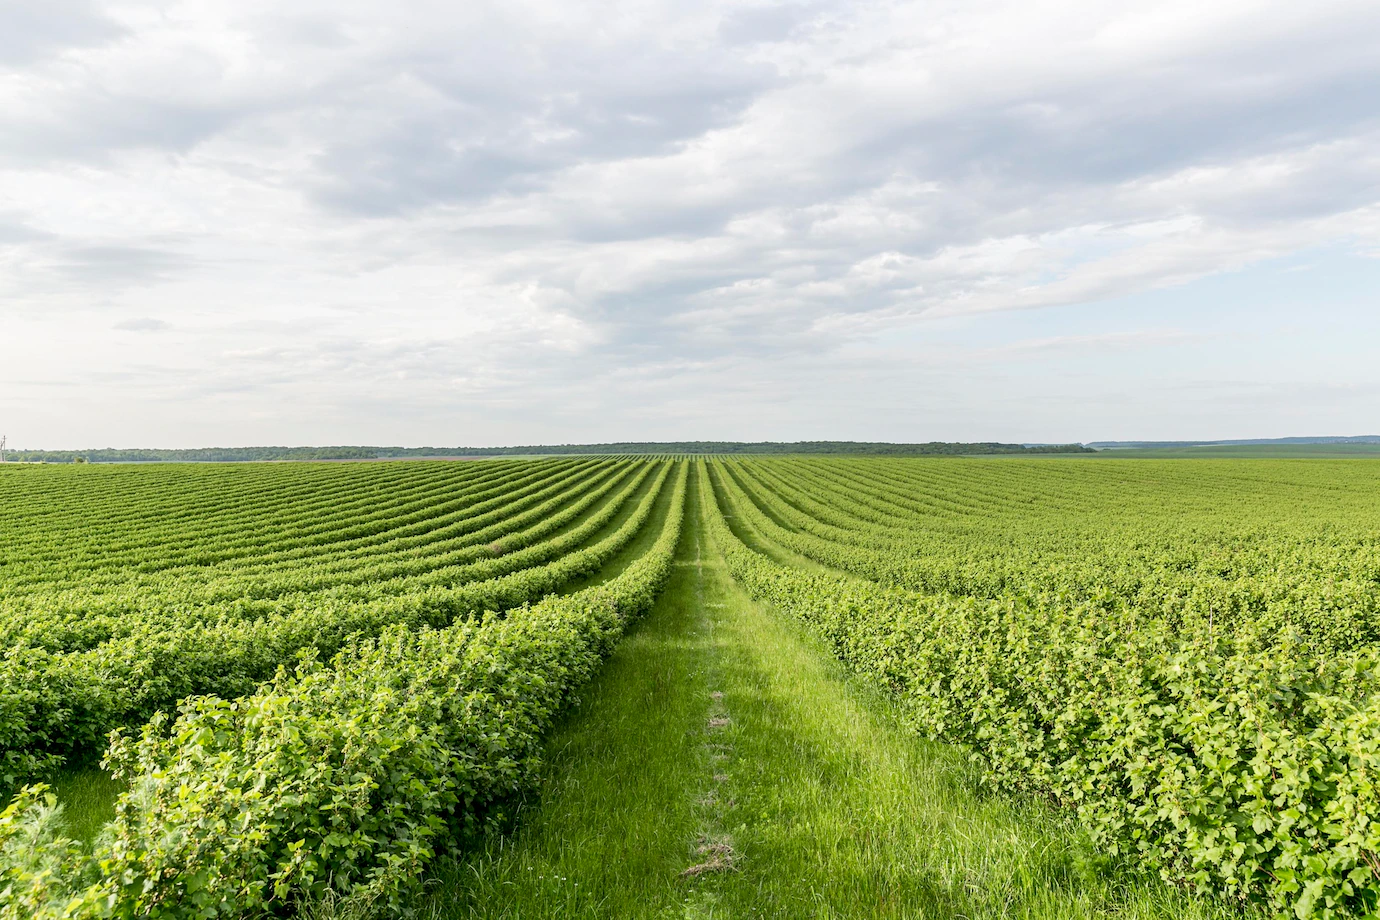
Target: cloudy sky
[(414, 222)]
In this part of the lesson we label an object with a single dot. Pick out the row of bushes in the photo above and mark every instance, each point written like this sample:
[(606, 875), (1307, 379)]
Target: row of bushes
[(1238, 762), (1277, 569), (71, 607), (346, 778), (107, 522), (57, 708)]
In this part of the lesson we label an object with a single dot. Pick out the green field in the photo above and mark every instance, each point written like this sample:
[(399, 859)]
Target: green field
[(648, 687)]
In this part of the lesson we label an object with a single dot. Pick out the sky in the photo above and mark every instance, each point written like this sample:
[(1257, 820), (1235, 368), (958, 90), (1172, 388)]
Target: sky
[(482, 223)]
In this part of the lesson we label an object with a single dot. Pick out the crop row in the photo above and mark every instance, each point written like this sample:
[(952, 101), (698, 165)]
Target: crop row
[(75, 618), (243, 541), (347, 777), (1238, 760), (132, 511), (1286, 574), (55, 707)]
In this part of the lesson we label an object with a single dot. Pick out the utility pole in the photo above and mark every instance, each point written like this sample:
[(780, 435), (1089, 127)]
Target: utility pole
[(2, 448)]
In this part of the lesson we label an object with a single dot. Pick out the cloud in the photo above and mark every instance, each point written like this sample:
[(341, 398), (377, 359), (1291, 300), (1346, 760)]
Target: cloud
[(483, 205), (141, 324), (1105, 342), (106, 263), (34, 31), (16, 229)]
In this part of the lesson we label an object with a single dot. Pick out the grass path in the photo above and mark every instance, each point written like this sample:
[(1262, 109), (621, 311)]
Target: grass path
[(723, 766)]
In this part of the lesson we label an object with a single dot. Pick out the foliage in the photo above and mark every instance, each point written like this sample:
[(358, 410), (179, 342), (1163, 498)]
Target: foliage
[(88, 661), (337, 780), (1237, 753), (322, 676)]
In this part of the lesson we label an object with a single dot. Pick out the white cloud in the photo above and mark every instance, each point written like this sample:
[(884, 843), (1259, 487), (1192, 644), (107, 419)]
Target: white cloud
[(141, 324), (434, 212)]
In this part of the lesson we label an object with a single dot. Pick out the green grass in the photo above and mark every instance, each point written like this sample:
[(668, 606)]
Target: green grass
[(722, 741), (87, 796), (616, 825)]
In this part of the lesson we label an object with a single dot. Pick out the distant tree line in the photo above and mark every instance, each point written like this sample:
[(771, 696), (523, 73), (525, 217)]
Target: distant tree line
[(195, 455), (1247, 442), (242, 454)]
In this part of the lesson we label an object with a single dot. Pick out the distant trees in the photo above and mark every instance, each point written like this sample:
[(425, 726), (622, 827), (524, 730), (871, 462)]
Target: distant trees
[(243, 454)]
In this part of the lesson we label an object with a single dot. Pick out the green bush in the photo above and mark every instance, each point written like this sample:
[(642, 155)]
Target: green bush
[(60, 706), (331, 781), (1245, 764)]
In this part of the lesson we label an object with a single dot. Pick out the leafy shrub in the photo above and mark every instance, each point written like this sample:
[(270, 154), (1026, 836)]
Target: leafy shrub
[(332, 781), (1245, 763)]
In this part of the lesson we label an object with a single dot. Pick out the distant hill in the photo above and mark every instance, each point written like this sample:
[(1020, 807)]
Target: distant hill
[(243, 454), (1250, 442)]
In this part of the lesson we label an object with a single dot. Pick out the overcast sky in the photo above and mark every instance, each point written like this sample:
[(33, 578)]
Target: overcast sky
[(402, 222)]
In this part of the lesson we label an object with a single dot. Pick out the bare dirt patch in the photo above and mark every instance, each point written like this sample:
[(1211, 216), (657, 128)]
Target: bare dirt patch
[(716, 856)]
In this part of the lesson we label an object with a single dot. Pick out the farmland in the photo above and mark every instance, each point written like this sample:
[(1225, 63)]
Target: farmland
[(746, 686)]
